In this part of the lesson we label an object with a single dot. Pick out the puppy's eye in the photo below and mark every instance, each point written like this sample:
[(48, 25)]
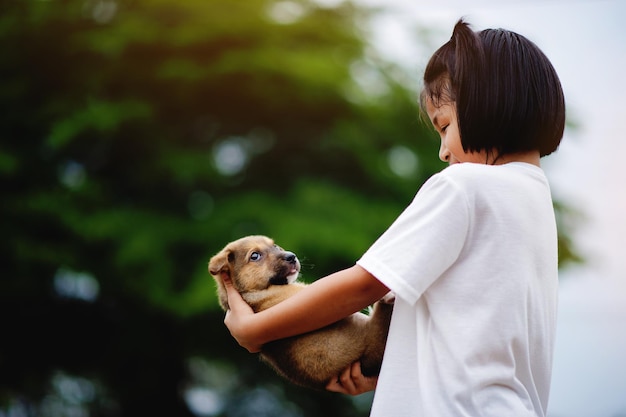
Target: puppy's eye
[(255, 256)]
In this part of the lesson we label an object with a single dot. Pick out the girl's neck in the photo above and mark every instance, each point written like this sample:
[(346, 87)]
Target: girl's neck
[(530, 157)]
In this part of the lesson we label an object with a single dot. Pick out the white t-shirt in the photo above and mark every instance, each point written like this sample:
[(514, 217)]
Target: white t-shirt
[(473, 264)]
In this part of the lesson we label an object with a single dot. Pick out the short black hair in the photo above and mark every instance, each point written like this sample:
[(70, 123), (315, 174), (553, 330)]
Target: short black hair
[(508, 95)]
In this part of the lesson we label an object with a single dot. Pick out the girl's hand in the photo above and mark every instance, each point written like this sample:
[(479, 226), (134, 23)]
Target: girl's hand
[(239, 318), (352, 381)]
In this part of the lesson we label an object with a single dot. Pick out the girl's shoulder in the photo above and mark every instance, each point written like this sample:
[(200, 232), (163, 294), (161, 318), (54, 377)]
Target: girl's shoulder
[(471, 178), (467, 171)]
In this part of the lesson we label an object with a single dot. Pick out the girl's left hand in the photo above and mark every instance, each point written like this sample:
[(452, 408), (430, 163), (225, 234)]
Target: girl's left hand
[(239, 318), (352, 381)]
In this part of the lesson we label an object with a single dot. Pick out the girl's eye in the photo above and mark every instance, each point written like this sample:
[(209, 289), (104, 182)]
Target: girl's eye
[(255, 256), (443, 129)]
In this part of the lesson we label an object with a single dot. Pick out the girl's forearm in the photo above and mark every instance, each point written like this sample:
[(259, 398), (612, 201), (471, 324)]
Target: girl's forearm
[(323, 302)]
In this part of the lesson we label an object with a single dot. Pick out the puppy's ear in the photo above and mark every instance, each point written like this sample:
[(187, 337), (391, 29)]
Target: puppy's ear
[(220, 268), (219, 264)]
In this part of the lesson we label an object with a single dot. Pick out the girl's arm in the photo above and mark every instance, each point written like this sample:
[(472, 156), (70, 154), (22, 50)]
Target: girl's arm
[(323, 302)]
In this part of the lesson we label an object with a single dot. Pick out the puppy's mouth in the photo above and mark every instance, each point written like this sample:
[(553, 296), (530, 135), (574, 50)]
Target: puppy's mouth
[(288, 274)]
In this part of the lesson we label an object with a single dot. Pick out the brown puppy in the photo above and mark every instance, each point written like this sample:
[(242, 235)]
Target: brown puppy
[(265, 274)]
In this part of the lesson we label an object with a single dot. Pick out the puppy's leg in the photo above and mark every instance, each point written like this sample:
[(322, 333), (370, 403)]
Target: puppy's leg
[(376, 337)]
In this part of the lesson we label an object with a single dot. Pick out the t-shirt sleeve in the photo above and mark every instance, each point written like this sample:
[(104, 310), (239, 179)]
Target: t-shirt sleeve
[(423, 241)]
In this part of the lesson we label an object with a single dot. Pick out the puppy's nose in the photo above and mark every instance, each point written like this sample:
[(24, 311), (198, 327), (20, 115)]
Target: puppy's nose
[(290, 257)]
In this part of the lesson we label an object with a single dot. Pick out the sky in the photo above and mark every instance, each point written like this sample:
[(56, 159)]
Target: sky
[(586, 42)]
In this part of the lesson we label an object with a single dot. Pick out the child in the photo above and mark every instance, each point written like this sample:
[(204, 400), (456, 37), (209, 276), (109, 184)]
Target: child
[(472, 260)]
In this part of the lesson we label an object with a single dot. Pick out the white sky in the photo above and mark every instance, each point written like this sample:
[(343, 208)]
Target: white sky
[(586, 42)]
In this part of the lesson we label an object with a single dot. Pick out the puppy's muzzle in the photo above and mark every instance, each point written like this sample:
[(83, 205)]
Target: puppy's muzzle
[(290, 257), (289, 272)]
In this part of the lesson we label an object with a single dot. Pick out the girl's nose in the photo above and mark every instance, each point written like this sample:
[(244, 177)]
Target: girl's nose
[(444, 153)]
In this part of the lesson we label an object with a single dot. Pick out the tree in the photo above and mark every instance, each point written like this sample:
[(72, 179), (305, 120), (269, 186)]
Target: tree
[(138, 138)]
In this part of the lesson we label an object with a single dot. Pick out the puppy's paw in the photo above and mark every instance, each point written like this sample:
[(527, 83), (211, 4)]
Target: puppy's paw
[(389, 298)]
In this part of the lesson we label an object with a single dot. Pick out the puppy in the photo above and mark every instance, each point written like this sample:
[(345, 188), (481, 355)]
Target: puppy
[(265, 274)]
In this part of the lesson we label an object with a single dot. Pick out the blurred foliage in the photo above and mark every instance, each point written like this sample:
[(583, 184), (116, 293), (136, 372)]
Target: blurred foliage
[(138, 137)]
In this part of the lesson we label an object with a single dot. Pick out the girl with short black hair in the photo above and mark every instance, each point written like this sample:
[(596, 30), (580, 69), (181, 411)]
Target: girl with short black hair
[(472, 260)]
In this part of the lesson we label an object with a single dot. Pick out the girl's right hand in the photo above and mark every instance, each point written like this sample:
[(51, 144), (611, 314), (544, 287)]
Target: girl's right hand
[(239, 318), (352, 381)]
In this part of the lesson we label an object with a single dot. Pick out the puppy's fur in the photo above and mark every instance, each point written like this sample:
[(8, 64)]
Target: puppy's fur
[(265, 274)]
